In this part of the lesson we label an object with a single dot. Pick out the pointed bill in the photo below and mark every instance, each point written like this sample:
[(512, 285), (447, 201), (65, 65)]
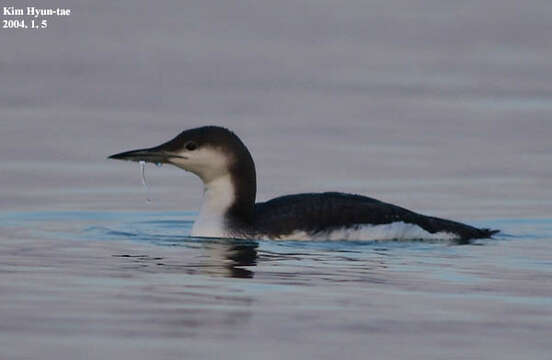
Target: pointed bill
[(153, 155)]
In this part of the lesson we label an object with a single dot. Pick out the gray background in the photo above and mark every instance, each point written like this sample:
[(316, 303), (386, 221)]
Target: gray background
[(440, 106)]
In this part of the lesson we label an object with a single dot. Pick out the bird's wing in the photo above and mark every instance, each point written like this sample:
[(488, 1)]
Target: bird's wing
[(319, 212)]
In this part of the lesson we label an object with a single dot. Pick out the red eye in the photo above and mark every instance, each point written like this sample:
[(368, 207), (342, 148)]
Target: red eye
[(191, 146)]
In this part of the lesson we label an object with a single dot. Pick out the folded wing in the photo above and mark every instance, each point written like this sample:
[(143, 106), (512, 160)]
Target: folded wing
[(321, 212)]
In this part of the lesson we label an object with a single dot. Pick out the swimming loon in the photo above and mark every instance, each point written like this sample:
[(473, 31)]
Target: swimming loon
[(227, 170)]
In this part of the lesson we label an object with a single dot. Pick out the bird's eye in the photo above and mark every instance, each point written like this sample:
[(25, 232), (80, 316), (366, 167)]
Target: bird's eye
[(190, 145)]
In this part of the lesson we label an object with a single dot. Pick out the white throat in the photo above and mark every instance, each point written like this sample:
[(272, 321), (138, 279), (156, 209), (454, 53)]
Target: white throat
[(218, 197)]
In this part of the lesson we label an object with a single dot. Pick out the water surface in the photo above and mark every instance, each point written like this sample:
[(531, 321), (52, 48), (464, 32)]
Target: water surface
[(134, 285), (441, 107)]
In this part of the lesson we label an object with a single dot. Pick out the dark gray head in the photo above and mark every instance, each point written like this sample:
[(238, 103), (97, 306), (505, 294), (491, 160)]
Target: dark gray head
[(212, 153)]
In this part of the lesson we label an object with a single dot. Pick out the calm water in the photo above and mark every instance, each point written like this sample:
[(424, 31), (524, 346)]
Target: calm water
[(133, 285), (442, 107)]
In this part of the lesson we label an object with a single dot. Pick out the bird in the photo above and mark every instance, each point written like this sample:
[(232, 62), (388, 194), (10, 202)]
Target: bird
[(225, 166)]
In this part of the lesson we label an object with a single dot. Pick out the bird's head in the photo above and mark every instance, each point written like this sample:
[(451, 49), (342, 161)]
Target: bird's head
[(209, 152)]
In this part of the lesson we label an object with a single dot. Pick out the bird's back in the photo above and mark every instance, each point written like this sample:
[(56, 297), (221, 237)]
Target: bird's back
[(322, 213)]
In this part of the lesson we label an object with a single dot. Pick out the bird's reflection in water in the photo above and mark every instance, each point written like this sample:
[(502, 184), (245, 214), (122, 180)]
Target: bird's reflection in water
[(210, 256), (228, 257), (237, 258)]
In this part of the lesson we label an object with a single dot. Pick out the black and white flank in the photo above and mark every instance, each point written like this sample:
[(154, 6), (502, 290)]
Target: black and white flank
[(227, 170)]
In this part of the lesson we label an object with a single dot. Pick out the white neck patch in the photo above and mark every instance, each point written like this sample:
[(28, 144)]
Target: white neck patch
[(218, 196)]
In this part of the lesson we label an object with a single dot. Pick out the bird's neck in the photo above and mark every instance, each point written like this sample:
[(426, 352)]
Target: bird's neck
[(218, 197), (228, 202)]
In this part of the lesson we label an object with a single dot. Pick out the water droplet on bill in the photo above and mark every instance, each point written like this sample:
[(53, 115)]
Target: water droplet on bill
[(144, 183)]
